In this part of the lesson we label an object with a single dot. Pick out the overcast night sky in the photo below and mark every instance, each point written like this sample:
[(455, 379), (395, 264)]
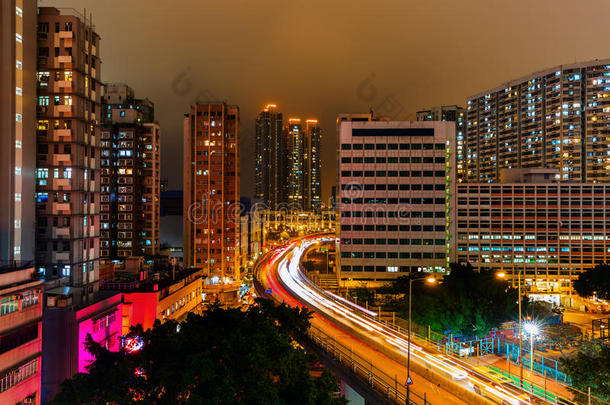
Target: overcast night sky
[(313, 58)]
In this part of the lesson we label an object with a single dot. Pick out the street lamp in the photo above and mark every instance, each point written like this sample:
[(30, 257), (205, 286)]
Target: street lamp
[(429, 280), (502, 275), (532, 329)]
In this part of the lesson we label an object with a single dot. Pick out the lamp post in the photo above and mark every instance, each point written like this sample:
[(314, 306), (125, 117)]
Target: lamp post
[(532, 329), (430, 280), (502, 276)]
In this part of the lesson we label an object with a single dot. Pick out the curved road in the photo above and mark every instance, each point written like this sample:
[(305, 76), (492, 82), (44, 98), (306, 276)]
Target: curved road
[(350, 326)]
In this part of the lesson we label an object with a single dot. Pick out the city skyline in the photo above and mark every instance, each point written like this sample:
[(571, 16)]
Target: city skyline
[(413, 69)]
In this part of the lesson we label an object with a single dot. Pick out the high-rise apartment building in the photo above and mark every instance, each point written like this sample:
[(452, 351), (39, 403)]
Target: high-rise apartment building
[(20, 335), (270, 158), (294, 179), (211, 190), (67, 191), (452, 113), (313, 165), (303, 167), (555, 118), (17, 126), (130, 175), (396, 181)]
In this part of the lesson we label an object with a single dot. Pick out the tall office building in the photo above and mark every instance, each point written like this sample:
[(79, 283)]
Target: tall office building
[(396, 181), (67, 192), (20, 335), (211, 190), (17, 119), (270, 158), (130, 175), (452, 113), (555, 118)]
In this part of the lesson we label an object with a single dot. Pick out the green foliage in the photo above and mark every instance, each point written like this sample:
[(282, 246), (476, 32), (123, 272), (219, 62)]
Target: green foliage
[(595, 280), (465, 302), (589, 368), (220, 357)]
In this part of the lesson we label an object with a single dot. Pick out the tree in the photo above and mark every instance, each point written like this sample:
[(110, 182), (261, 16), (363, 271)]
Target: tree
[(589, 368), (220, 357), (594, 281), (465, 302)]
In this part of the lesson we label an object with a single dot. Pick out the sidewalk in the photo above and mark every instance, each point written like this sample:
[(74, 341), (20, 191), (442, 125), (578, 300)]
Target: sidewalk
[(535, 378)]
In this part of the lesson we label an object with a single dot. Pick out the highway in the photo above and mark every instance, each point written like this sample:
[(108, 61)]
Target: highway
[(441, 379)]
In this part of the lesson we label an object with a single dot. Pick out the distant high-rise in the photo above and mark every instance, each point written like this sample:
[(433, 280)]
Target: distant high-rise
[(69, 114), (555, 118), (270, 158), (302, 172), (313, 169), (130, 175), (294, 179), (17, 126), (452, 113), (211, 190)]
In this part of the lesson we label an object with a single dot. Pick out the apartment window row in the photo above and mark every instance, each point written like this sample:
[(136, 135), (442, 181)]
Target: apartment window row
[(402, 159), (393, 187), (370, 200), (393, 146), (18, 338), (394, 228), (575, 190), (392, 241), (382, 269), (393, 173), (15, 376), (393, 214), (392, 255)]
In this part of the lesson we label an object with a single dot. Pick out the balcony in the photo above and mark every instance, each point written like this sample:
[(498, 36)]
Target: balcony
[(65, 34), (64, 59), (62, 184), (62, 135), (63, 109), (62, 159), (61, 208), (63, 232), (61, 257), (63, 85)]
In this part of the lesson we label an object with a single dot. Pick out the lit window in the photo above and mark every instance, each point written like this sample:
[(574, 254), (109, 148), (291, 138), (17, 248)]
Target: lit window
[(18, 144), (17, 196), (17, 170), (17, 250), (19, 38), (19, 65), (19, 91), (18, 117), (19, 11), (17, 223)]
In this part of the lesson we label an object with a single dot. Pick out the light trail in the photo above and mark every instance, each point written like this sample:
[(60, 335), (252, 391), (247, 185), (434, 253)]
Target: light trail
[(339, 311)]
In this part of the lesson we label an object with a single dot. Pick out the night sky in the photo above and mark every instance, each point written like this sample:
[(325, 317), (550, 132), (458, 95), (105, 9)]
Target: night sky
[(319, 58)]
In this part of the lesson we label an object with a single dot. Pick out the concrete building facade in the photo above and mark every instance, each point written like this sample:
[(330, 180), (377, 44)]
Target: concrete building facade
[(130, 175), (211, 190), (17, 124), (20, 335), (68, 133), (396, 181)]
